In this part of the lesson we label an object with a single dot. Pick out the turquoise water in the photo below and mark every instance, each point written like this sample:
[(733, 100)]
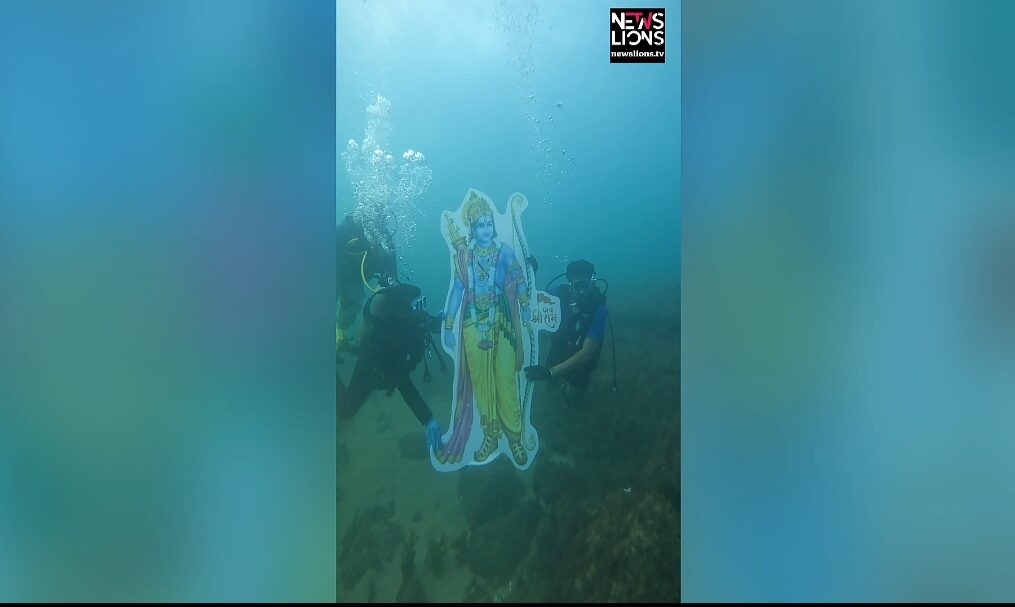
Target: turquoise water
[(467, 83), (511, 97)]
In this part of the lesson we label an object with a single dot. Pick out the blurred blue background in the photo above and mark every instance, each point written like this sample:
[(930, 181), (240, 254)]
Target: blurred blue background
[(166, 300), (848, 301)]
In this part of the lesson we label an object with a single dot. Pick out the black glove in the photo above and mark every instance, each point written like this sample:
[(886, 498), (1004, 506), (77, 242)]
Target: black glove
[(538, 373)]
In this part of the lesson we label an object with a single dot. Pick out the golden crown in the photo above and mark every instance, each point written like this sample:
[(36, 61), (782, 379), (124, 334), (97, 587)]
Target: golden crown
[(475, 207)]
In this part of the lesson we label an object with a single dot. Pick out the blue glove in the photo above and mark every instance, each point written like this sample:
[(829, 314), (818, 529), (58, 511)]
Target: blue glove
[(433, 435)]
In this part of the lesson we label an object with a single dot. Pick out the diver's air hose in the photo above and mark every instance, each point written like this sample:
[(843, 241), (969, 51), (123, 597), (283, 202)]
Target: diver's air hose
[(363, 273), (553, 280)]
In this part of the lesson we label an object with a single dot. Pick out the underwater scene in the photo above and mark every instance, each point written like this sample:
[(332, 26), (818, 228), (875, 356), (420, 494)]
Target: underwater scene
[(507, 305)]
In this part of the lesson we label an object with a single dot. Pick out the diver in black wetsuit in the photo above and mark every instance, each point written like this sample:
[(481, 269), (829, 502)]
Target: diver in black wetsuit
[(397, 332), (576, 345), (357, 260)]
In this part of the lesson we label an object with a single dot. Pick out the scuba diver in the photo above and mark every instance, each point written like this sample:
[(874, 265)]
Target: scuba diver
[(396, 335), (577, 343), (357, 261)]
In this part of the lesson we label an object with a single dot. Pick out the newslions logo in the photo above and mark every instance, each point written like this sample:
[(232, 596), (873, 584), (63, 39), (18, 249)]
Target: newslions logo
[(637, 35)]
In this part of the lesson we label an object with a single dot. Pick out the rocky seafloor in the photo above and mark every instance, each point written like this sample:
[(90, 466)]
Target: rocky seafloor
[(595, 519)]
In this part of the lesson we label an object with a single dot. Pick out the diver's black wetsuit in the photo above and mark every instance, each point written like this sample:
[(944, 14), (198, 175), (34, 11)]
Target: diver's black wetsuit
[(365, 381), (578, 322), (391, 347)]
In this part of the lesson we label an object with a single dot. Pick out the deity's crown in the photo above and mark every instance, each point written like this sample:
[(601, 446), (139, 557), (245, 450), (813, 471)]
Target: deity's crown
[(475, 207)]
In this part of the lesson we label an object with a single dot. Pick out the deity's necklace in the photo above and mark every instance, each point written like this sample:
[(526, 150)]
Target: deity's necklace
[(485, 260), (485, 303)]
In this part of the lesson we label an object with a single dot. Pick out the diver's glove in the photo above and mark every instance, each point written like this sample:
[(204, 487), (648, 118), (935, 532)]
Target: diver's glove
[(538, 373), (433, 435)]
